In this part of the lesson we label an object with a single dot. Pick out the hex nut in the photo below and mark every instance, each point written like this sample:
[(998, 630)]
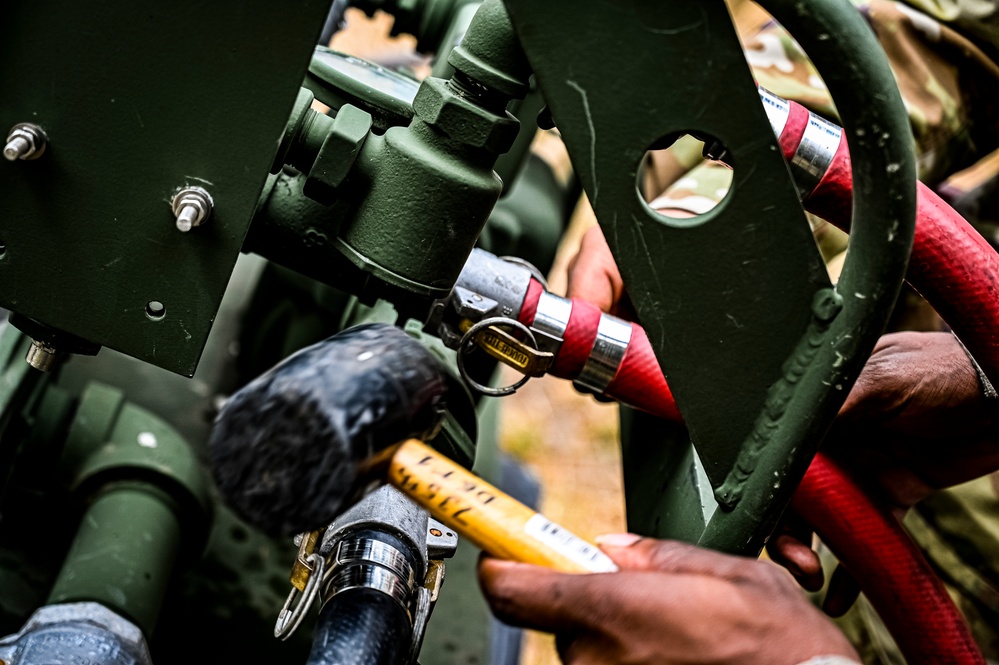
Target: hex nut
[(462, 119), (336, 157)]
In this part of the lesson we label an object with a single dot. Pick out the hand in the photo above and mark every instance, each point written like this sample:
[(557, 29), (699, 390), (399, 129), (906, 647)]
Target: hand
[(594, 277), (593, 274), (669, 603), (915, 422)]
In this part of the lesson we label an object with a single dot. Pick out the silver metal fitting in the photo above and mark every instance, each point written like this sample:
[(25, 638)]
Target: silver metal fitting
[(191, 207), (613, 337), (442, 543), (815, 153), (778, 110), (42, 356), (85, 632), (551, 321), (500, 279), (25, 141)]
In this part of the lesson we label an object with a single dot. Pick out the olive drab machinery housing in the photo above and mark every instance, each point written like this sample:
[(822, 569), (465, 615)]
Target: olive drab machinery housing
[(179, 212)]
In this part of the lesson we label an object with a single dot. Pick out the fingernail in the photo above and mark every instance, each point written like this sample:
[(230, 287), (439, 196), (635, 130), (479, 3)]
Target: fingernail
[(499, 563), (618, 539)]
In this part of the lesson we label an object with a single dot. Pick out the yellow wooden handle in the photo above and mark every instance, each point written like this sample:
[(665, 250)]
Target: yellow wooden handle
[(492, 520)]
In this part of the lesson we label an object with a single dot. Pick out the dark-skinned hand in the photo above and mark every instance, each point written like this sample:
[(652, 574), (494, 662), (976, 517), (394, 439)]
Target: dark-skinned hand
[(915, 422), (669, 603)]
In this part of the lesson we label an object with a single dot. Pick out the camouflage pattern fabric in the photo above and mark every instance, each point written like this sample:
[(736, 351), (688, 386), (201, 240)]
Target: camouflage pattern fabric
[(943, 54)]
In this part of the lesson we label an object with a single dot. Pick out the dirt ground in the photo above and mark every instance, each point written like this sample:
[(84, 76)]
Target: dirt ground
[(570, 442)]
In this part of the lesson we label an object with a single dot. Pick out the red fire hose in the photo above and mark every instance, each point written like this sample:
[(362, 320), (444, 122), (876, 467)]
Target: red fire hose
[(956, 270)]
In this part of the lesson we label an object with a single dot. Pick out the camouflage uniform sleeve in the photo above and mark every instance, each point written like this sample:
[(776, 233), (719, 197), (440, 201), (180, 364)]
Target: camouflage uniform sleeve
[(947, 80), (978, 19)]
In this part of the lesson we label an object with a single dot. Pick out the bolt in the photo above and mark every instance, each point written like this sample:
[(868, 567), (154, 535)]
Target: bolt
[(24, 141), (191, 207), (42, 356), (188, 217), (16, 148)]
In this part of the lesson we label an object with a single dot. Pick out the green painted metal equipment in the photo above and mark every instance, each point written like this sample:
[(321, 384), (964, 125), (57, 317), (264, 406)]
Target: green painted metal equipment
[(138, 102), (428, 188), (758, 349), (147, 507), (173, 194)]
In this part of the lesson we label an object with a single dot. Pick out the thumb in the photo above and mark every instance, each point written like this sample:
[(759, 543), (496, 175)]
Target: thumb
[(633, 552)]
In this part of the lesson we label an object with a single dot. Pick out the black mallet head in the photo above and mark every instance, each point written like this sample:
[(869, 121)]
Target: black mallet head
[(288, 448)]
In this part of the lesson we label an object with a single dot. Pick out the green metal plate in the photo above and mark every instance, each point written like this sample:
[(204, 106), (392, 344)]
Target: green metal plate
[(137, 101), (725, 297)]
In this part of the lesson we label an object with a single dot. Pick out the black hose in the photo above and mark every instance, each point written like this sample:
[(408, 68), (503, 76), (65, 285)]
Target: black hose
[(361, 627), (359, 624)]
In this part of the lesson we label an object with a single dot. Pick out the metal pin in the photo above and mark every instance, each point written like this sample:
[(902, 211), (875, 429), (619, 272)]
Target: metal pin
[(188, 216)]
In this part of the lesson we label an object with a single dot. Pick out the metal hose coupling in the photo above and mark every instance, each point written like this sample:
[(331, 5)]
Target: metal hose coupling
[(484, 310), (380, 569), (818, 145)]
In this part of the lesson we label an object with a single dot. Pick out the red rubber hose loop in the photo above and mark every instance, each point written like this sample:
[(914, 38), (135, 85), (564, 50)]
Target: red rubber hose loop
[(951, 264), (953, 267), (898, 581)]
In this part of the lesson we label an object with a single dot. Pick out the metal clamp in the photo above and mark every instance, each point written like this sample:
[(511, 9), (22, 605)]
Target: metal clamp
[(290, 618), (778, 110), (550, 321), (376, 552), (371, 564), (613, 336), (815, 153)]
